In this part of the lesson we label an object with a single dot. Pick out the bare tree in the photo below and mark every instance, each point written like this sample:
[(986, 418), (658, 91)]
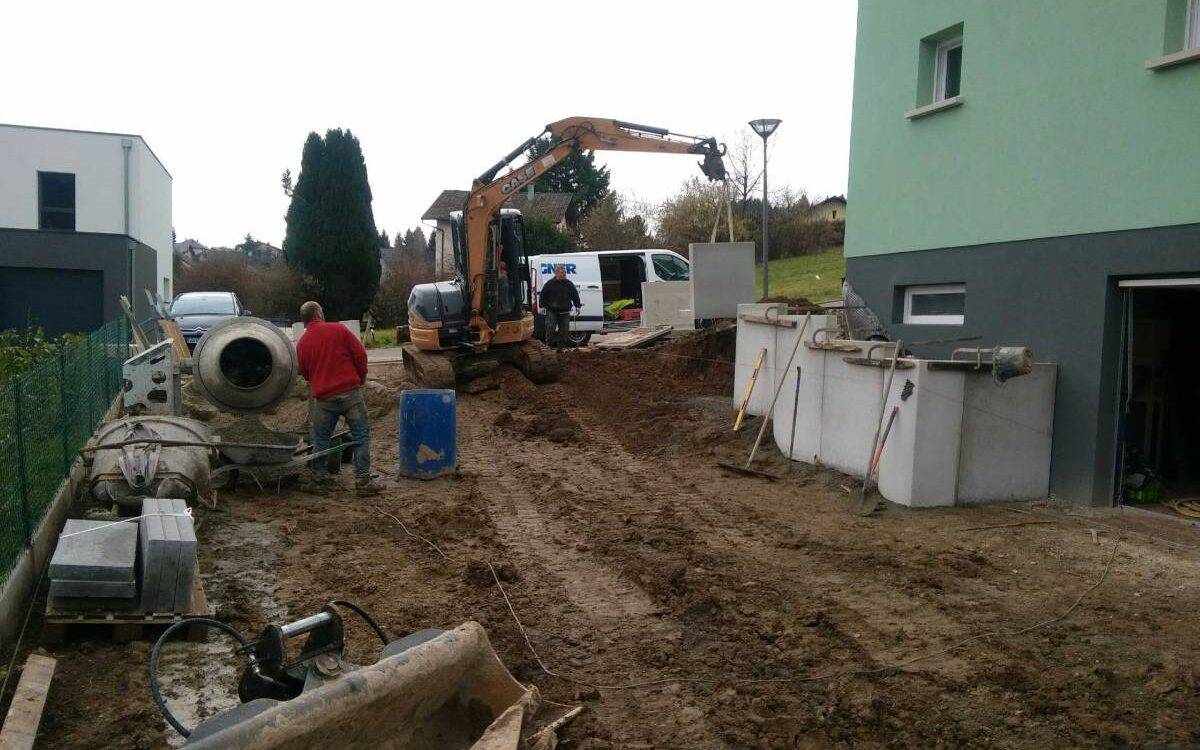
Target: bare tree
[(745, 168)]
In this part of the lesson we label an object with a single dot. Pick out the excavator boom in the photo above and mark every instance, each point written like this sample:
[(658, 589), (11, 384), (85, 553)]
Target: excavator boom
[(489, 192)]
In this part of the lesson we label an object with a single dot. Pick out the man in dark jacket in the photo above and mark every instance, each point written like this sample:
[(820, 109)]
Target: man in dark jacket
[(556, 298), (334, 363)]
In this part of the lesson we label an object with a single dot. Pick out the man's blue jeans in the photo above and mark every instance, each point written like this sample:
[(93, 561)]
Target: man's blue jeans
[(324, 416)]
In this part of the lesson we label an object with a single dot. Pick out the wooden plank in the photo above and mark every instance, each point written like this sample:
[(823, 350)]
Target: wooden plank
[(764, 320), (138, 336), (871, 362), (632, 338), (25, 711), (171, 330), (834, 346)]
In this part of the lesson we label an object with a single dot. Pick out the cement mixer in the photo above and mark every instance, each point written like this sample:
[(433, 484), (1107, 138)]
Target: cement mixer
[(431, 690), (241, 366)]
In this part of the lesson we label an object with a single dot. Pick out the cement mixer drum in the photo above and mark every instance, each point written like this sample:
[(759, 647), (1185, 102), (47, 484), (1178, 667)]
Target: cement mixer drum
[(244, 365)]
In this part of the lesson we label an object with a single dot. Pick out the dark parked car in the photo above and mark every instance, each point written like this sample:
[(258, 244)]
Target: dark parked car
[(196, 312)]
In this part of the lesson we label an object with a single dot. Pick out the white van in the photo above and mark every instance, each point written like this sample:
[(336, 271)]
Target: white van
[(603, 277)]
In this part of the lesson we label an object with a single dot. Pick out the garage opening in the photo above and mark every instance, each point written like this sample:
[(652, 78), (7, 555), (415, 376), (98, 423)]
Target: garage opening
[(1159, 428), (57, 300)]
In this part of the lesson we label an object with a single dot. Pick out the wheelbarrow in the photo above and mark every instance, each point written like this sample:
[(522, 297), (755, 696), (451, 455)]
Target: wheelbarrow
[(271, 463)]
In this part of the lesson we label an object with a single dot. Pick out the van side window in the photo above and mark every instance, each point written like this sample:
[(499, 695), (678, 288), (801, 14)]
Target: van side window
[(670, 268)]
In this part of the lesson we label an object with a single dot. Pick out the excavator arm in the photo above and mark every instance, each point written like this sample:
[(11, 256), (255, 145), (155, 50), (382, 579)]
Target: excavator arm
[(489, 192)]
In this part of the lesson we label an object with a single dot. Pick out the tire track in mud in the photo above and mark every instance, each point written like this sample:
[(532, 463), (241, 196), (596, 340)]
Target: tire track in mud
[(610, 624)]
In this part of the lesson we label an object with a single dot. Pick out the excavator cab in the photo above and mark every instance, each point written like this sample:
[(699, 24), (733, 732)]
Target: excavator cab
[(440, 313), (506, 280)]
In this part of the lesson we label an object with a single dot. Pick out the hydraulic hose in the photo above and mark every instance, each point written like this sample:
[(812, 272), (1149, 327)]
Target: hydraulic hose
[(366, 617), (157, 649)]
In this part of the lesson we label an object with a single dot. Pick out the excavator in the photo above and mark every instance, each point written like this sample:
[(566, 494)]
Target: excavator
[(482, 317)]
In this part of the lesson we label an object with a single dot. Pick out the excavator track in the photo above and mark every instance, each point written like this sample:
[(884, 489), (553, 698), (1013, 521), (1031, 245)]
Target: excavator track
[(428, 369), (537, 361)]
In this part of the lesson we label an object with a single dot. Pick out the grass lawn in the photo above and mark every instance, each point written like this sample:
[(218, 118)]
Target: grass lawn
[(817, 277), (381, 338)]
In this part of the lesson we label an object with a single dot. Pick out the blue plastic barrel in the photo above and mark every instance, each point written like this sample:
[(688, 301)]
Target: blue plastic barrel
[(428, 433)]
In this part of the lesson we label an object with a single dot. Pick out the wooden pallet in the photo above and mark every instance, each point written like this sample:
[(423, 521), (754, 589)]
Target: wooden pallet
[(128, 626), (632, 338)]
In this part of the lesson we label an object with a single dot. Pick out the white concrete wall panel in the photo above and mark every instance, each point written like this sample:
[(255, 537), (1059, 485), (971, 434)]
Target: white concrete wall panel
[(958, 439), (669, 303), (751, 337), (1007, 432), (722, 277), (919, 463), (850, 404), (800, 439)]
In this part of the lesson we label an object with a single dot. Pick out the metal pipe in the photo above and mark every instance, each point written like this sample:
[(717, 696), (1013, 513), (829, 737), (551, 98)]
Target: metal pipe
[(766, 241), (126, 148), (306, 624)]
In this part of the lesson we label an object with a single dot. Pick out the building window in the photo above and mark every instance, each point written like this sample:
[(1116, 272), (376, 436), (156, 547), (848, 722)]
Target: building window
[(56, 201), (947, 75), (935, 304)]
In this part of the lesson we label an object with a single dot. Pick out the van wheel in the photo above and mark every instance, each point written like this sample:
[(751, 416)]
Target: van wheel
[(579, 338)]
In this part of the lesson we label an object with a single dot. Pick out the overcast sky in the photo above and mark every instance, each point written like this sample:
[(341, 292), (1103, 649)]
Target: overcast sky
[(225, 93)]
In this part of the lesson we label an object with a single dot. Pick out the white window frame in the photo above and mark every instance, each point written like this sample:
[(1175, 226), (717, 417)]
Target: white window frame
[(933, 320), (939, 67), (1191, 26)]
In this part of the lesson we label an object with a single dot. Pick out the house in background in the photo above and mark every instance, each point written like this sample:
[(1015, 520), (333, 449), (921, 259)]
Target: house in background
[(1027, 172), (85, 217), (189, 251), (549, 206), (830, 209)]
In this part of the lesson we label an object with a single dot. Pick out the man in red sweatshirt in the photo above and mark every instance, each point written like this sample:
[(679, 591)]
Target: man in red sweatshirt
[(334, 363)]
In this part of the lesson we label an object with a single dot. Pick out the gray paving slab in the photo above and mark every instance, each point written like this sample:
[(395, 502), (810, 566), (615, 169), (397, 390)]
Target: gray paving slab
[(107, 554), (68, 603), (154, 544), (187, 555), (93, 589), (170, 560)]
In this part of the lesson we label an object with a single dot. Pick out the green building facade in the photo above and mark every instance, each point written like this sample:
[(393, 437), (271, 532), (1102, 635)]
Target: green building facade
[(1029, 172)]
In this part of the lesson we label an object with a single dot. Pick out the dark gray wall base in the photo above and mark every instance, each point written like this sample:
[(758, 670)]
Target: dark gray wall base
[(1059, 297), (117, 257)]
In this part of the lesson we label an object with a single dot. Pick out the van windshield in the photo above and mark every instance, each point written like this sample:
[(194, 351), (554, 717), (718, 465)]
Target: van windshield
[(671, 268)]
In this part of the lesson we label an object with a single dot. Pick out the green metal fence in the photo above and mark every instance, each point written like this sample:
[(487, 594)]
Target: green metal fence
[(47, 413)]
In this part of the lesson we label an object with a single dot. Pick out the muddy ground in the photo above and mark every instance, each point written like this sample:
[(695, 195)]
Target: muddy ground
[(754, 614)]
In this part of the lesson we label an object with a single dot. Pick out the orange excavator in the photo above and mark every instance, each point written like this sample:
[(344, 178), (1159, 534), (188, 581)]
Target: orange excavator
[(482, 316)]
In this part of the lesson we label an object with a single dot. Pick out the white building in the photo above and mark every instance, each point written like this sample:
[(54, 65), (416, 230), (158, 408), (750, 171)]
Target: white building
[(84, 217)]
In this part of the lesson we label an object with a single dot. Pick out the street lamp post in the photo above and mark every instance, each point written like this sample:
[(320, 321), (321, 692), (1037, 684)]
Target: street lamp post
[(764, 128)]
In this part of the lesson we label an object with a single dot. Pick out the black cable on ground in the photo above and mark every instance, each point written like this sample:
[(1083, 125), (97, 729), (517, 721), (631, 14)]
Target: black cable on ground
[(157, 649), (366, 618)]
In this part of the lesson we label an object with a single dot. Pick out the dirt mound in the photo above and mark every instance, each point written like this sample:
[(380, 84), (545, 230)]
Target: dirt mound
[(666, 399), (796, 305)]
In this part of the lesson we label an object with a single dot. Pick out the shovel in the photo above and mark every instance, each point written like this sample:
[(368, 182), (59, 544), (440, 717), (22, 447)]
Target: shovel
[(864, 503), (746, 470)]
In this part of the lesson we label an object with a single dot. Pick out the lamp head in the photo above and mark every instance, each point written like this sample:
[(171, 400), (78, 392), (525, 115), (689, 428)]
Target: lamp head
[(765, 127)]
